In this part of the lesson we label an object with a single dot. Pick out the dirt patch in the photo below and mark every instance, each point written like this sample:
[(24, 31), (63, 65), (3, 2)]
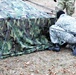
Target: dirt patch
[(41, 63)]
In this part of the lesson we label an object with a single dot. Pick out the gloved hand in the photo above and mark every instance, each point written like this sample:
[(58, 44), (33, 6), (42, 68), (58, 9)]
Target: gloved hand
[(55, 0)]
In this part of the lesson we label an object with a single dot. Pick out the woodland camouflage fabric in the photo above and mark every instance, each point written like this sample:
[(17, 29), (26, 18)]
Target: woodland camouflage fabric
[(22, 35)]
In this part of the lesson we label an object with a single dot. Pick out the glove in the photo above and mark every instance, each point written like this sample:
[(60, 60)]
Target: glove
[(55, 0)]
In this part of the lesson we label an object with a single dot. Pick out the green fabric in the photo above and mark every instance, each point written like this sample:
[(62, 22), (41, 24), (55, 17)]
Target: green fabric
[(21, 35)]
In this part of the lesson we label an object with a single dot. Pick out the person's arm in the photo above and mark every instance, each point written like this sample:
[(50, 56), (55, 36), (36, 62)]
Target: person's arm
[(55, 0)]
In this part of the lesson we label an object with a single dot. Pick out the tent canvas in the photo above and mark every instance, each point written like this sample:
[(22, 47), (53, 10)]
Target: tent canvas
[(23, 28)]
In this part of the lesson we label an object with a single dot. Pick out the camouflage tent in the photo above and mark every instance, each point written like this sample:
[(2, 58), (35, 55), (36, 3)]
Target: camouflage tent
[(23, 28)]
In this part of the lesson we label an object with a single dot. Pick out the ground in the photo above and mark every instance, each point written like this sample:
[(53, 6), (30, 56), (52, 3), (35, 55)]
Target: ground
[(43, 62)]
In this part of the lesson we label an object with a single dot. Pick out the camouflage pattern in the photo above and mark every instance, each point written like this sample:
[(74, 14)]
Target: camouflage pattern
[(23, 34), (64, 30), (68, 4)]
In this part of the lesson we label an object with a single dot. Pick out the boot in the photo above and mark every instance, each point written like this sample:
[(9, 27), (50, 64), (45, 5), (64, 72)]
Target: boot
[(56, 48), (74, 50)]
